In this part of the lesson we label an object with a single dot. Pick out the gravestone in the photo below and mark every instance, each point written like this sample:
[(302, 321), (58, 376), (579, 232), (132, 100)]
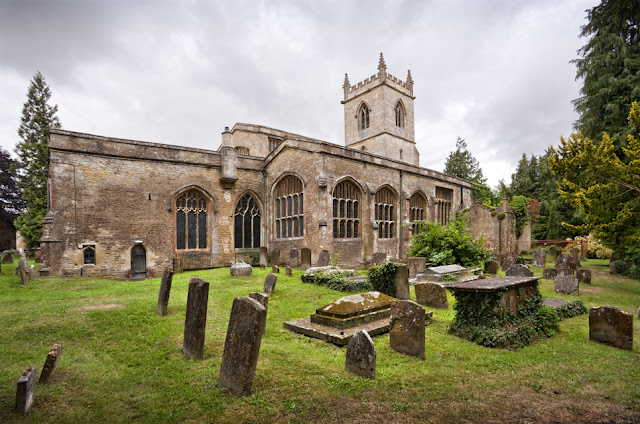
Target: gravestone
[(406, 331), (573, 265), (575, 256), (305, 254), (361, 355), (584, 276), (610, 325), (241, 269), (26, 390), (165, 290), (270, 283), (416, 265), (275, 257), (294, 258), (492, 267), (508, 262), (275, 269), (549, 273), (379, 258), (565, 272), (563, 261), (288, 271), (50, 363), (324, 258), (195, 322), (260, 297), (539, 258), (264, 259), (23, 270), (7, 257), (519, 270), (242, 345), (402, 282), (431, 294), (566, 284)]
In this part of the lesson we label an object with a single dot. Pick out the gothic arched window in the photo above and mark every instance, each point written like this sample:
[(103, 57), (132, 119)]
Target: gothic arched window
[(417, 208), (247, 223), (399, 115), (442, 205), (385, 212), (346, 210), (289, 206), (191, 221), (364, 117)]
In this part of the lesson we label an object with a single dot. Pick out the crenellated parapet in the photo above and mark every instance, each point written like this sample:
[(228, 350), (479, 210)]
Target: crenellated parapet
[(380, 78)]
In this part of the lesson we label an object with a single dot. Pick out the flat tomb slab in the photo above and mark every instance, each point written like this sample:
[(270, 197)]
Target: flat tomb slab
[(491, 284), (356, 304)]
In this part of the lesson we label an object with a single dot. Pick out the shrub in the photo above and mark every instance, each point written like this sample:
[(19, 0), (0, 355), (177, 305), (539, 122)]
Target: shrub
[(595, 249), (383, 278), (337, 281), (571, 309)]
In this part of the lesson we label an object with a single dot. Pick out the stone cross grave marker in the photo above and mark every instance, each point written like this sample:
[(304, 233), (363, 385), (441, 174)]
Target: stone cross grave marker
[(431, 294), (26, 390), (242, 345), (610, 325), (519, 270), (263, 257), (539, 258), (270, 283), (165, 290), (50, 363), (195, 322), (566, 284), (406, 333), (361, 355), (260, 297), (305, 254), (324, 258)]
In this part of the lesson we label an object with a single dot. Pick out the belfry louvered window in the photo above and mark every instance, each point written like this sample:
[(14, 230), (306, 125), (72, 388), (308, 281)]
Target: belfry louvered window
[(364, 117), (346, 211), (289, 208), (191, 221), (385, 212), (247, 223), (399, 115)]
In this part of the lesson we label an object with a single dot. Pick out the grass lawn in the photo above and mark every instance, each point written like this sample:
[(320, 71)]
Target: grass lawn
[(122, 362)]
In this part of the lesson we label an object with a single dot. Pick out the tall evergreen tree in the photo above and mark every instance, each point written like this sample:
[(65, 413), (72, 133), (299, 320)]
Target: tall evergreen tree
[(38, 117), (610, 66), (462, 164), (11, 203)]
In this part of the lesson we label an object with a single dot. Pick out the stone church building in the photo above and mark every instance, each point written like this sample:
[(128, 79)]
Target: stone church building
[(130, 209)]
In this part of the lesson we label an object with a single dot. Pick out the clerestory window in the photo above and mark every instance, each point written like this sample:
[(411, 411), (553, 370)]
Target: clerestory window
[(289, 208), (191, 221), (346, 210)]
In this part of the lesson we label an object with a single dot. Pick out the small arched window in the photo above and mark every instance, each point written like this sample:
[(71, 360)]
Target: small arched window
[(289, 207), (399, 115), (364, 117), (385, 212), (191, 221), (346, 210), (247, 223), (417, 208)]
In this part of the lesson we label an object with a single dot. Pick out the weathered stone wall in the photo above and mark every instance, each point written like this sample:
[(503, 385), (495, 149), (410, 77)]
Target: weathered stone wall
[(500, 234)]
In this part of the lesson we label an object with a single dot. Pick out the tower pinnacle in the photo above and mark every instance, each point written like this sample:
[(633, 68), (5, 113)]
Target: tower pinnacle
[(382, 67), (346, 86)]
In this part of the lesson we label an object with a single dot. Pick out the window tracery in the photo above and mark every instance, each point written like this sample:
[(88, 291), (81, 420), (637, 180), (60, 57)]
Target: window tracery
[(247, 223), (385, 212), (346, 210), (191, 221), (289, 207)]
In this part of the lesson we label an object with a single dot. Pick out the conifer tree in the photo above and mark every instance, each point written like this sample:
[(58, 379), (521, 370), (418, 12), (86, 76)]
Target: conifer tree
[(11, 203), (462, 164), (38, 117)]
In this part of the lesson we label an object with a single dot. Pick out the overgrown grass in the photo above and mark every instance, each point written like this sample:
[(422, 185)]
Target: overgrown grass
[(122, 362)]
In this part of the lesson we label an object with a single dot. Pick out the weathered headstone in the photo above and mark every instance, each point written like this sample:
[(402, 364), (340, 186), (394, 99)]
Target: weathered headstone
[(549, 273), (575, 256), (416, 265), (242, 345), (519, 270), (260, 297), (431, 294), (305, 255), (324, 258), (275, 257), (539, 258), (508, 262), (406, 332), (275, 269), (361, 355), (195, 322), (23, 270), (378, 258), (7, 257), (492, 267), (565, 272), (610, 325), (264, 261), (566, 284), (288, 271), (563, 261), (402, 282), (270, 283), (241, 269), (50, 363), (165, 290), (294, 258), (26, 390), (584, 276)]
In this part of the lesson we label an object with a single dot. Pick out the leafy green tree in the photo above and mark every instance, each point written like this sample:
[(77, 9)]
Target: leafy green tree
[(609, 63), (461, 163), (38, 117), (520, 205)]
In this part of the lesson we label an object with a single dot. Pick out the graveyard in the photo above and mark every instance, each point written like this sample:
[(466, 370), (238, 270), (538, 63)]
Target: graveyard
[(124, 360)]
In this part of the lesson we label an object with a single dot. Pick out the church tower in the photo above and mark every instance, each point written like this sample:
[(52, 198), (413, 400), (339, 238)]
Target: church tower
[(378, 116)]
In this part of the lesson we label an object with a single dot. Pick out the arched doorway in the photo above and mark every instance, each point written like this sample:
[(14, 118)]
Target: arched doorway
[(138, 262)]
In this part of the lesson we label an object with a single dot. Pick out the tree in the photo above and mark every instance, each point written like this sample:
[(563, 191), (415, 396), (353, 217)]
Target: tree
[(610, 66), (38, 117), (11, 204), (462, 164), (520, 205)]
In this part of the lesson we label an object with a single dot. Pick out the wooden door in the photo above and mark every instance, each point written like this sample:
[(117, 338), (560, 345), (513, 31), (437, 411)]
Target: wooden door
[(138, 263)]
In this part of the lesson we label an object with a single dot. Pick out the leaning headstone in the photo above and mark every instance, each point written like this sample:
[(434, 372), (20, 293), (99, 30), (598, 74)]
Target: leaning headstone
[(539, 258), (566, 284), (7, 257), (378, 258), (610, 325), (23, 270), (270, 283), (361, 355), (241, 269), (416, 265), (324, 258), (165, 290), (431, 294), (508, 262), (275, 269), (563, 261), (549, 273), (26, 390), (195, 322), (263, 257), (402, 282), (260, 297), (406, 332), (294, 259), (305, 255), (519, 270), (584, 276), (50, 363), (242, 345), (275, 257), (492, 267), (288, 271)]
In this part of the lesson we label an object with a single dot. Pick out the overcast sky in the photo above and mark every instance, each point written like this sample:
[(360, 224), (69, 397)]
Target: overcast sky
[(494, 72)]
